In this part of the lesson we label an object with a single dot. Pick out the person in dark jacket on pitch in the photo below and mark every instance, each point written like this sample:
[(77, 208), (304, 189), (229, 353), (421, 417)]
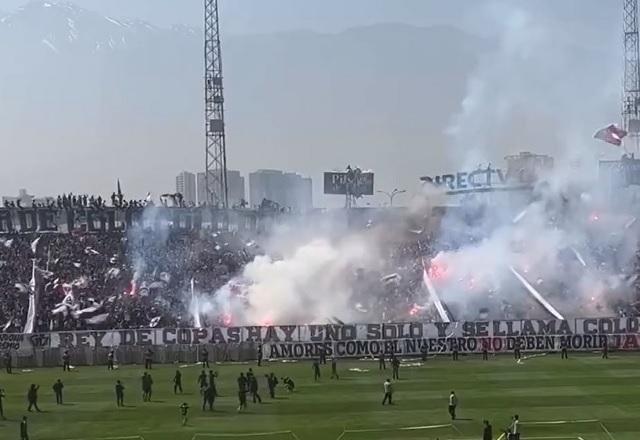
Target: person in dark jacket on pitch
[(110, 357), (253, 388), (32, 397), (177, 382), (395, 367), (259, 355), (563, 349), (334, 368), (204, 357), (289, 384), (605, 349), (487, 431), (272, 382), (212, 378), (485, 350), (119, 393), (202, 381), (455, 354), (517, 354), (24, 434), (382, 365), (148, 359), (242, 392), (66, 359), (57, 389), (323, 356), (208, 398), (316, 370)]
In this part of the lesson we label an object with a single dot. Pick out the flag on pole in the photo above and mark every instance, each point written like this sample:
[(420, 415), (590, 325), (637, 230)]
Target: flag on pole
[(35, 286), (611, 134), (34, 245)]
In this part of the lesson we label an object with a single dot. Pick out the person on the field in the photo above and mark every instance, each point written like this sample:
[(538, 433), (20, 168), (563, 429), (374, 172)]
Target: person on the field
[(382, 365), (204, 357), (24, 434), (110, 357), (395, 367), (485, 350), (563, 349), (177, 382), (253, 388), (487, 431), (455, 354), (148, 359), (316, 370), (242, 392), (7, 361), (605, 349), (272, 382), (388, 392), (453, 403), (2, 395), (212, 379), (66, 361), (259, 355), (184, 412), (514, 429), (32, 397), (119, 393), (516, 350), (323, 356), (202, 381), (57, 389), (147, 383), (424, 352), (288, 383), (207, 398), (334, 368)]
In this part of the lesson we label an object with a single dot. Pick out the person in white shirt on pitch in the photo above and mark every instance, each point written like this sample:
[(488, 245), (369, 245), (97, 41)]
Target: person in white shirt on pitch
[(453, 402), (515, 428), (388, 392)]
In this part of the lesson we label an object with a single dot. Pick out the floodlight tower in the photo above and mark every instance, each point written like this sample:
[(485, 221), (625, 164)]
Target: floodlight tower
[(216, 152), (631, 97)]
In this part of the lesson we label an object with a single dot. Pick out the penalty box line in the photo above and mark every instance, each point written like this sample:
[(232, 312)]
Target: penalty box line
[(404, 428), (129, 437), (249, 434)]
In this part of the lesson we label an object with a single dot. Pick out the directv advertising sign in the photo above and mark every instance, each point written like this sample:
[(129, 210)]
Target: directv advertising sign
[(353, 183)]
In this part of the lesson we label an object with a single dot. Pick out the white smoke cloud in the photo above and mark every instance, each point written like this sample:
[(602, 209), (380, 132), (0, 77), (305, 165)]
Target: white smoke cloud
[(539, 90)]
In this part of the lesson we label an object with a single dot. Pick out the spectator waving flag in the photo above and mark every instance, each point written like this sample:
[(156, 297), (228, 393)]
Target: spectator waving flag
[(611, 134)]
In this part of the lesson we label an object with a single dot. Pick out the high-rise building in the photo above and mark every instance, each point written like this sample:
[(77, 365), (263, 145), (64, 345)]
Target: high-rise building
[(186, 185), (235, 185), (289, 190)]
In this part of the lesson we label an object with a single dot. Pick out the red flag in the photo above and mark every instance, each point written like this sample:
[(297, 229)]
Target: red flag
[(611, 134)]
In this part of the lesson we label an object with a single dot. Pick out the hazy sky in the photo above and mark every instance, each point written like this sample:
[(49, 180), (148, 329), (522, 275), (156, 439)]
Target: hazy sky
[(257, 16), (556, 60)]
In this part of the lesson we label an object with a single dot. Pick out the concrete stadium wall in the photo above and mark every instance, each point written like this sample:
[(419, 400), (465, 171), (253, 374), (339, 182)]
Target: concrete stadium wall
[(168, 354)]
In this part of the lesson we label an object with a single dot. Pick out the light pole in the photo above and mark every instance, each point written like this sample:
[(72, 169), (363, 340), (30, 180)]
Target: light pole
[(392, 194)]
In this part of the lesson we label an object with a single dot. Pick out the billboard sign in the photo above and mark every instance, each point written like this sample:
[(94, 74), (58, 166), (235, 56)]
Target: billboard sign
[(354, 183)]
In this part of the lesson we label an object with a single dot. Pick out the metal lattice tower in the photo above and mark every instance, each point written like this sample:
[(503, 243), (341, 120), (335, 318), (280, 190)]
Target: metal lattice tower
[(216, 153), (631, 98)]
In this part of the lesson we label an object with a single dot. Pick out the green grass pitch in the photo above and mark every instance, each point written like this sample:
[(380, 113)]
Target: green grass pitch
[(547, 391)]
